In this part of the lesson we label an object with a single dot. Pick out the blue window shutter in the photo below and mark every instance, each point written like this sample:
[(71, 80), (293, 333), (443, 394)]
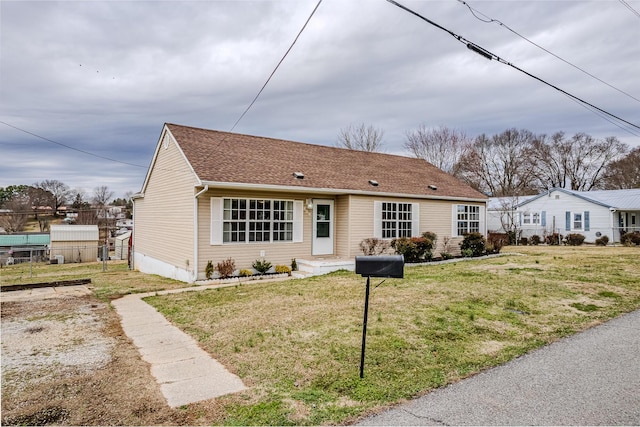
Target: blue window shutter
[(586, 221), (543, 218), (520, 218), (568, 221)]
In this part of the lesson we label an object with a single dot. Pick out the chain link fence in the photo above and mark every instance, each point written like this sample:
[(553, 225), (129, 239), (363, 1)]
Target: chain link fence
[(62, 255)]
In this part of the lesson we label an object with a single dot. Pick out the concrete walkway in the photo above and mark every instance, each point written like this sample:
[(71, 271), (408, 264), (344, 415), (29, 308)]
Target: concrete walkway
[(592, 378), (185, 372)]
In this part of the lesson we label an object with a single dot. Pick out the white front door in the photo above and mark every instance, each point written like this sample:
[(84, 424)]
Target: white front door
[(322, 243)]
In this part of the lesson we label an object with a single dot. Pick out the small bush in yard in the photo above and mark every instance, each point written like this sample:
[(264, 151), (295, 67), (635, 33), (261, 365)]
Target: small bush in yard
[(630, 239), (226, 268), (283, 269), (475, 242), (208, 270), (261, 266), (373, 246), (414, 249), (602, 241), (294, 264), (553, 239), (524, 241), (575, 239), (246, 272), (535, 240)]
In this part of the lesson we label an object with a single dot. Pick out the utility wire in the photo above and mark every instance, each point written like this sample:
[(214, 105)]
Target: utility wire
[(490, 20), (70, 147), (235, 124), (489, 55), (628, 6), (276, 68)]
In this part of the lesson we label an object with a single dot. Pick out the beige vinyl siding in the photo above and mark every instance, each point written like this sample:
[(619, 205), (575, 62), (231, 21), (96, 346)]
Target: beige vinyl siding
[(435, 216), (244, 254), (163, 223), (342, 228)]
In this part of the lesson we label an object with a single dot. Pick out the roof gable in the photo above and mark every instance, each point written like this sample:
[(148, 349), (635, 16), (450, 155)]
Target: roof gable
[(222, 157)]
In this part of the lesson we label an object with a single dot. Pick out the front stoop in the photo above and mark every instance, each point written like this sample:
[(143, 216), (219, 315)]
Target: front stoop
[(317, 267)]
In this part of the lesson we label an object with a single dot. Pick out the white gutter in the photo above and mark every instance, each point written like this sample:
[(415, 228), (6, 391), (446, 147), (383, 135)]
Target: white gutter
[(195, 230), (332, 191)]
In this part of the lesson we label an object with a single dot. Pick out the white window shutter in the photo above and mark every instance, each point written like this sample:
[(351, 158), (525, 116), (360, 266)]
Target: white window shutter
[(454, 220), (216, 220), (298, 218), (415, 219), (377, 219)]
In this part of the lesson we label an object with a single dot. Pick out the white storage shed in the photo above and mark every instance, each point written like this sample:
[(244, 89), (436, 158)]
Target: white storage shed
[(74, 243)]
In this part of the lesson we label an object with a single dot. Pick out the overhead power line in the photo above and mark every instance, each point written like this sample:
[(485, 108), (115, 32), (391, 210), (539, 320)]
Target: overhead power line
[(489, 55), (277, 66), (489, 20), (71, 147), (628, 6)]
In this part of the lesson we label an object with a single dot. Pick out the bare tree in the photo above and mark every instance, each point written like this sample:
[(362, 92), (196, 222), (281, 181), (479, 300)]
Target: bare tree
[(101, 196), (361, 138), (15, 220), (39, 199), (578, 163), (59, 192), (624, 173), (442, 147), (498, 166)]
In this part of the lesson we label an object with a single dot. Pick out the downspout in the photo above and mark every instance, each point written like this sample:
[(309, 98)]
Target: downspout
[(195, 231)]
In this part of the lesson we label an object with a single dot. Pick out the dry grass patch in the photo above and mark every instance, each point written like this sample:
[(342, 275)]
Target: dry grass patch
[(298, 342)]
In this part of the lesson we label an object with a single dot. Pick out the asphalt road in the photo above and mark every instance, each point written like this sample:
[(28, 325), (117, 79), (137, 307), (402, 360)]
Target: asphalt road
[(592, 378)]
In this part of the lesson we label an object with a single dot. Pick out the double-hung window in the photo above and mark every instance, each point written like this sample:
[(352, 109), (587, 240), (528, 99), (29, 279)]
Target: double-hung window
[(531, 218), (468, 219), (396, 220), (254, 220), (577, 221)]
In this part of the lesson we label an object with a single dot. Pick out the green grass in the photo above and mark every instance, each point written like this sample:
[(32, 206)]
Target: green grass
[(296, 343)]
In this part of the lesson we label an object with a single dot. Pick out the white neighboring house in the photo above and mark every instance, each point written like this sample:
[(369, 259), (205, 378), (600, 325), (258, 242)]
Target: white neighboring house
[(590, 213)]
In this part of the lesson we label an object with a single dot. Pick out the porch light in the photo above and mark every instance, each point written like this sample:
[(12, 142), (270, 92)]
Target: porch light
[(373, 182), (298, 175), (309, 203)]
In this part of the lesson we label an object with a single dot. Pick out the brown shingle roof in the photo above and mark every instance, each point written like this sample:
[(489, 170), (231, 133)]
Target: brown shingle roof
[(229, 157)]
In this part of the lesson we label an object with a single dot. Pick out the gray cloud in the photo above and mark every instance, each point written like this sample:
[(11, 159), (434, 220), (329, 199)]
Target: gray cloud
[(104, 76)]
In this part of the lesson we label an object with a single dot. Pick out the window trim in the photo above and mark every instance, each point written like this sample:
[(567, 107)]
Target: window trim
[(217, 211), (379, 219), (454, 219)]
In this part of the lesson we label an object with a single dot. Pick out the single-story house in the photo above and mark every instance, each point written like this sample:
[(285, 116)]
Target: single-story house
[(211, 195), (558, 210), (74, 243)]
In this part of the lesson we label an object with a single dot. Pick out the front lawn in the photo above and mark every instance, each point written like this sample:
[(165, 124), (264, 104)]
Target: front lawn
[(296, 343)]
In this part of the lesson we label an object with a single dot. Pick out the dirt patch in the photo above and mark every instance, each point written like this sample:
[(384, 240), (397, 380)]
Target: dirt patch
[(66, 361)]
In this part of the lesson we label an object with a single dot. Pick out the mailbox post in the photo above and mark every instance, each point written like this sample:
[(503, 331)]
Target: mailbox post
[(376, 266)]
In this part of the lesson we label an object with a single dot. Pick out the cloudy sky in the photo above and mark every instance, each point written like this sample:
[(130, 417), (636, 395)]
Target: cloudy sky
[(102, 77)]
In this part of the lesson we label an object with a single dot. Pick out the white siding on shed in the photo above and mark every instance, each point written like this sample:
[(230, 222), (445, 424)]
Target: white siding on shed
[(74, 233)]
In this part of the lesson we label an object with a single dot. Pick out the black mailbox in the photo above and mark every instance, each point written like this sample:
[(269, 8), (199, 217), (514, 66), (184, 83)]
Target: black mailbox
[(380, 266)]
